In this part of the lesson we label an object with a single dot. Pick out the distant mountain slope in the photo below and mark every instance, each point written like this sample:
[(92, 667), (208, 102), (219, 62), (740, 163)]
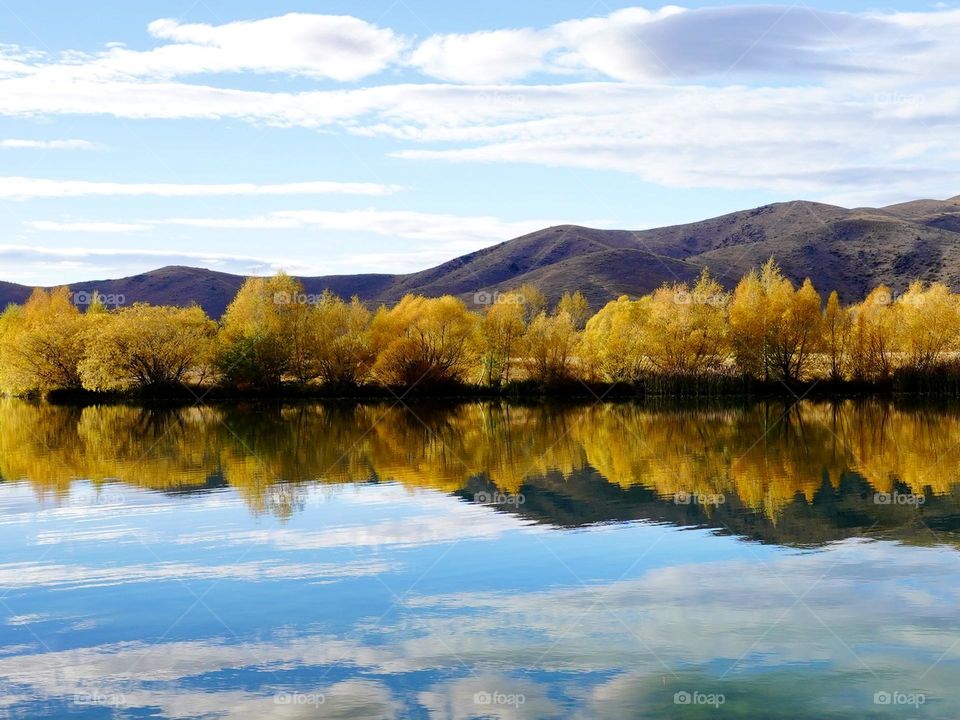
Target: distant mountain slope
[(847, 250)]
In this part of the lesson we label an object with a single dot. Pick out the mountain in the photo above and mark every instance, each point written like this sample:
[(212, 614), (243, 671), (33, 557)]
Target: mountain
[(849, 250)]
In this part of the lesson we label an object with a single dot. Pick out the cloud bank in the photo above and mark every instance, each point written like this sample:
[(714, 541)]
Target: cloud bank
[(841, 106)]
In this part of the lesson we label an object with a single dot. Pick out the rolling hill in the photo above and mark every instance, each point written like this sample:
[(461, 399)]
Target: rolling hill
[(850, 250)]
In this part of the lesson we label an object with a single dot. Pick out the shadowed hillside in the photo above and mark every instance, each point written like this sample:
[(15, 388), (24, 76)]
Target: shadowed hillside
[(850, 251)]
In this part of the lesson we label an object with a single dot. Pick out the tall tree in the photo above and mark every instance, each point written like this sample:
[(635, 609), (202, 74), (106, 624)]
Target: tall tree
[(500, 331), (774, 328), (836, 329), (339, 341), (263, 338)]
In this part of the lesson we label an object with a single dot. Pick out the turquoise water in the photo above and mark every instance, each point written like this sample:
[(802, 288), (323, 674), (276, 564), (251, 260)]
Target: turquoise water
[(564, 596)]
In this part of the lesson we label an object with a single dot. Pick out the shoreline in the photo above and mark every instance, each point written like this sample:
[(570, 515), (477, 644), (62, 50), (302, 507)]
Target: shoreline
[(709, 391)]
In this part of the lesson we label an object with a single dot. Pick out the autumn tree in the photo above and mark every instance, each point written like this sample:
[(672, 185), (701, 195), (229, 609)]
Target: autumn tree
[(339, 345), (499, 333), (533, 301), (774, 328), (41, 343), (146, 346), (612, 345), (685, 329), (423, 341), (927, 325), (835, 331), (549, 345), (873, 348), (576, 306), (264, 337)]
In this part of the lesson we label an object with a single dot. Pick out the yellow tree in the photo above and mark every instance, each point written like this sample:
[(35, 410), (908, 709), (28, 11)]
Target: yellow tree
[(873, 336), (263, 337), (685, 333), (927, 324), (548, 348), (500, 330), (836, 330), (42, 343), (612, 348), (749, 326), (423, 341), (534, 301), (576, 306), (339, 340), (797, 333), (146, 346), (774, 328)]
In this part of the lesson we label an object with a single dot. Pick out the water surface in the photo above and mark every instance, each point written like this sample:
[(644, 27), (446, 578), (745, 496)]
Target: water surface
[(480, 560)]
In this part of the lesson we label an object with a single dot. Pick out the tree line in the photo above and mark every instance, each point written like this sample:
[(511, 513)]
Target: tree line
[(273, 334)]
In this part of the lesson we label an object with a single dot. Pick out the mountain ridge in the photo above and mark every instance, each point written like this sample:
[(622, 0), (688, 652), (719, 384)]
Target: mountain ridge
[(849, 250)]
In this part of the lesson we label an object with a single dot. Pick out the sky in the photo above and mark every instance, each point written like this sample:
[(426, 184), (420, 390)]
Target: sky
[(391, 135)]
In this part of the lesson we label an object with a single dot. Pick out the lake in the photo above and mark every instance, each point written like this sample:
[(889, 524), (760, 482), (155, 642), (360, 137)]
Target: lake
[(480, 560)]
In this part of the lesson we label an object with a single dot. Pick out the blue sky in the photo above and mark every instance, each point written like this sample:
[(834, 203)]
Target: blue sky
[(388, 136)]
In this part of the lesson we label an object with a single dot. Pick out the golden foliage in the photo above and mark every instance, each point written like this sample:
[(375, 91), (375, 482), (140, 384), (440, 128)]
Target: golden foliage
[(41, 343), (612, 345), (273, 333), (339, 341), (498, 337), (422, 340), (146, 346), (774, 328), (549, 346), (263, 335)]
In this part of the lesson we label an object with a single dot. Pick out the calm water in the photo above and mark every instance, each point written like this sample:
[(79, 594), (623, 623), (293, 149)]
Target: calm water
[(613, 561)]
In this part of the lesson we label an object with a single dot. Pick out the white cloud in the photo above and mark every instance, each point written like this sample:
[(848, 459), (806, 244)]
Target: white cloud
[(23, 188), (18, 143), (788, 42), (389, 223), (103, 260), (92, 227), (484, 57), (320, 46), (464, 231), (636, 44), (338, 47)]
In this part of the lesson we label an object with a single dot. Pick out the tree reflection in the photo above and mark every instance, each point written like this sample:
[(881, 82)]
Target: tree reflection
[(762, 458)]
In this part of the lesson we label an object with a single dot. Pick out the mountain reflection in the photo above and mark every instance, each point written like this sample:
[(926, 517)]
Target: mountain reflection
[(796, 474)]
